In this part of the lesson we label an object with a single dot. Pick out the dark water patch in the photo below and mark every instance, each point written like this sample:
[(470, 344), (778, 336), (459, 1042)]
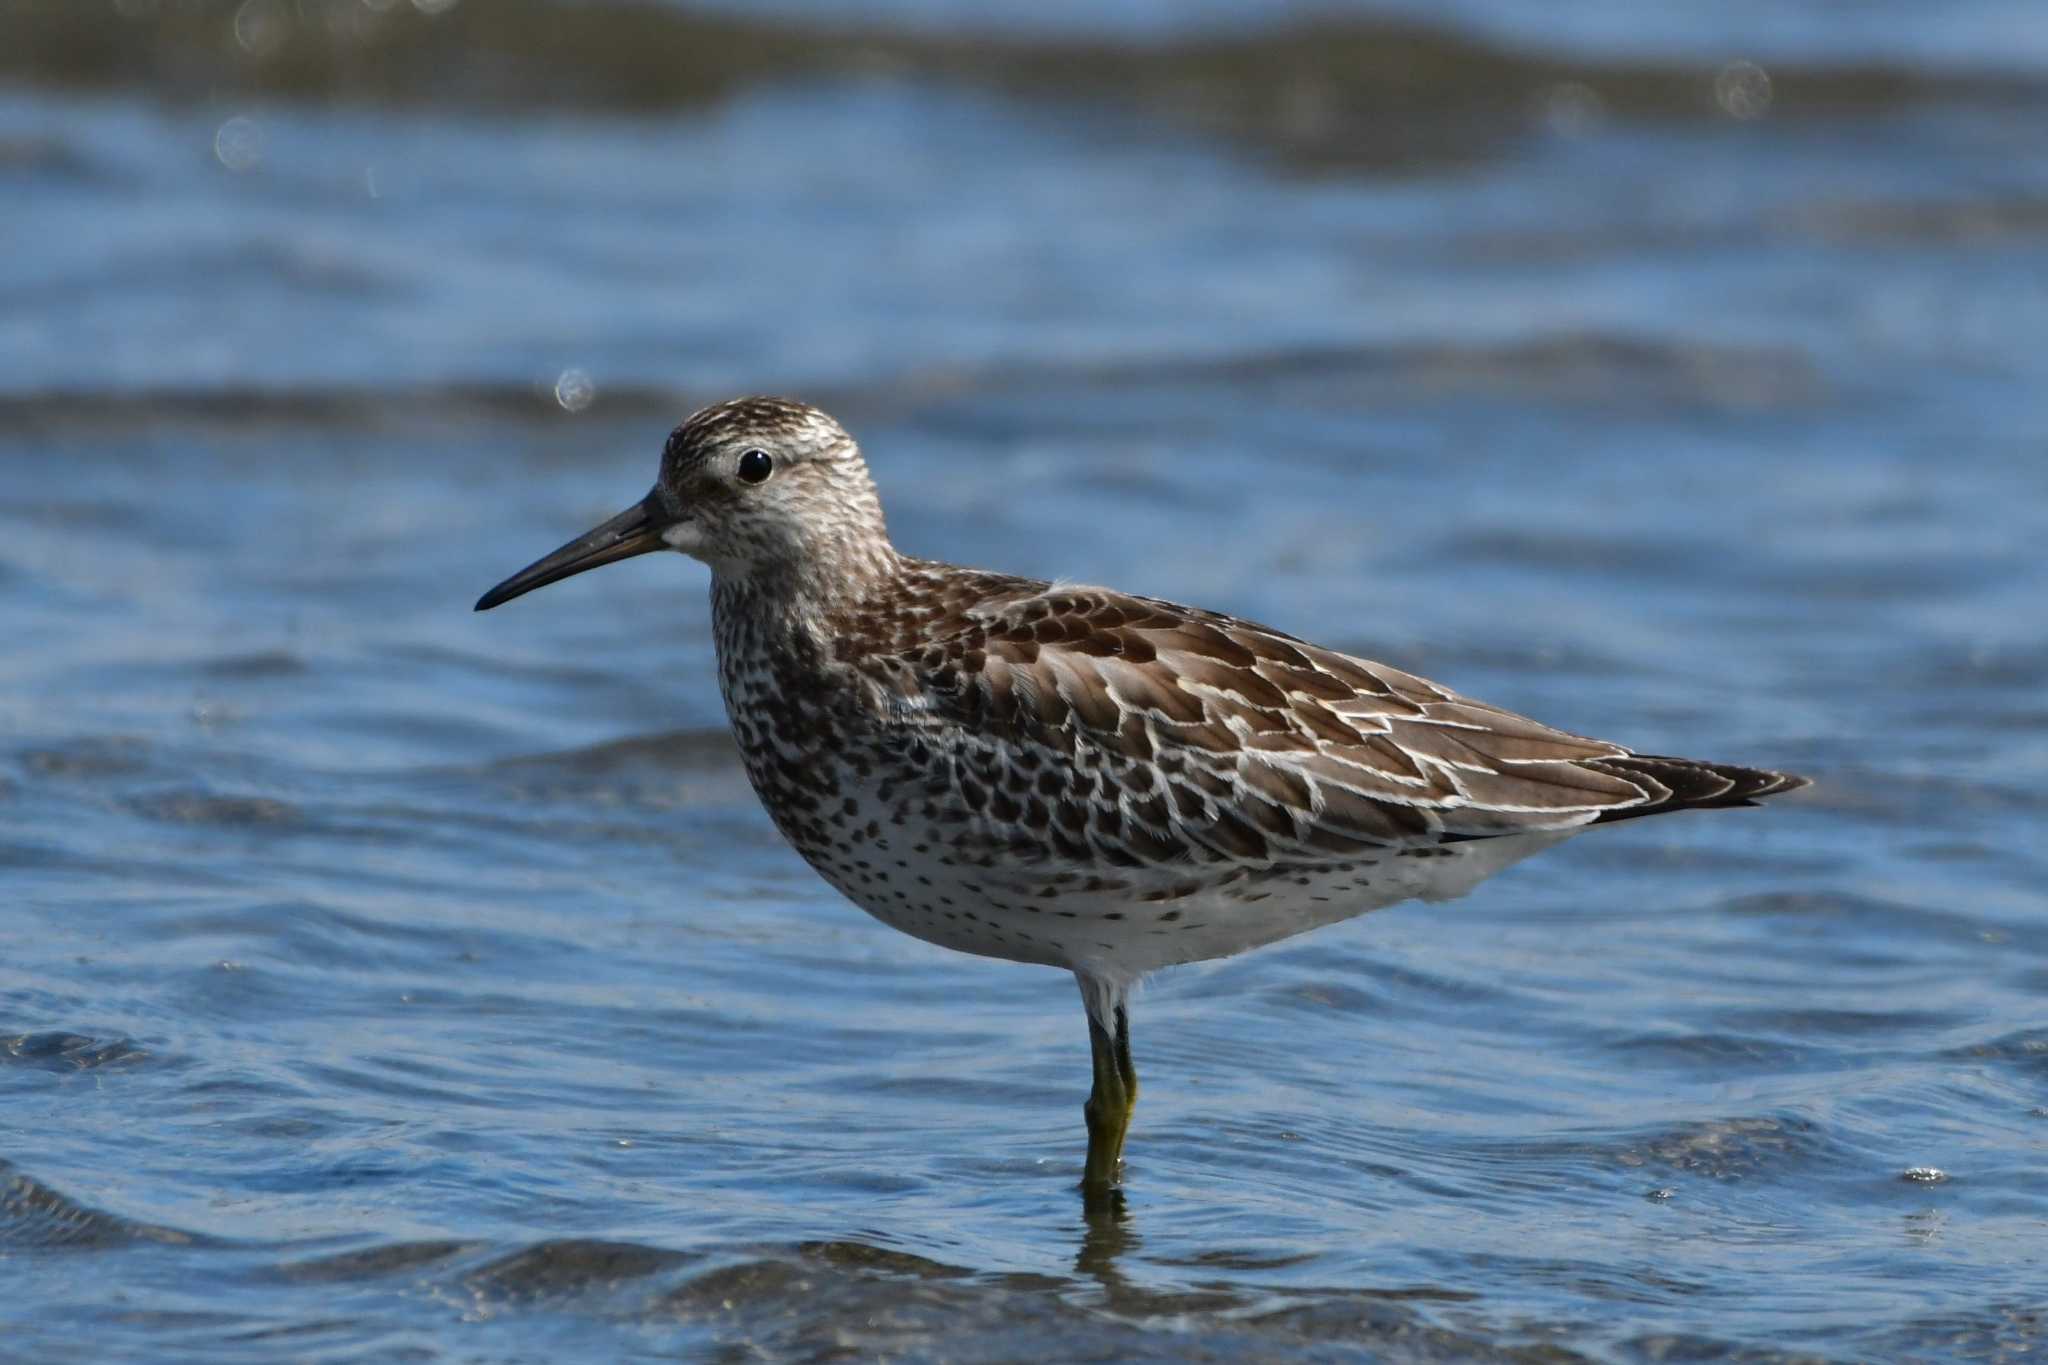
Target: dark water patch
[(1719, 1054), (1625, 1283), (1998, 222), (56, 1051), (682, 750), (257, 665), (777, 1280), (95, 515), (734, 1287), (216, 810), (1356, 982), (1221, 1258), (1614, 371), (371, 1263), (336, 1179), (1386, 1330), (1333, 92), (90, 757), (1742, 1148), (2004, 1330), (1871, 915), (31, 155), (1317, 997), (570, 1266), (880, 1303), (1576, 551), (670, 772), (863, 1256), (2023, 1049), (371, 1079), (384, 408), (1816, 1023), (1881, 580), (35, 1217), (211, 269), (1603, 370), (1698, 1348)]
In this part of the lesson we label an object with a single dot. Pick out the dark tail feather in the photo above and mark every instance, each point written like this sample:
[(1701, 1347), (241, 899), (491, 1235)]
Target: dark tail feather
[(1689, 784)]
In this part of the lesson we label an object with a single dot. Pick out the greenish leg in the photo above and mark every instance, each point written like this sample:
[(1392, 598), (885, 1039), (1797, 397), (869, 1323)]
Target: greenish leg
[(1110, 1103)]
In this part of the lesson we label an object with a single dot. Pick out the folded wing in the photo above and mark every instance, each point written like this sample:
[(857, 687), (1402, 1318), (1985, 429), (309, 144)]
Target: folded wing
[(1182, 734)]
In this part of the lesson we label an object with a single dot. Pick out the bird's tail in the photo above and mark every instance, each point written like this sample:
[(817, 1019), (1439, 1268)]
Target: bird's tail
[(1690, 784)]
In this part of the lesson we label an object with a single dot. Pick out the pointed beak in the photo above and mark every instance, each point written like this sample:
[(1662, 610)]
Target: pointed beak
[(635, 531)]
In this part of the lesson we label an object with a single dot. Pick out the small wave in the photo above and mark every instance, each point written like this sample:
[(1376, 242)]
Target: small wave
[(369, 1263), (2026, 1049), (570, 1266), (683, 750), (678, 768), (92, 756), (100, 409), (35, 1217), (1977, 222), (1716, 1054), (60, 1051), (1608, 368), (206, 808), (1733, 1148)]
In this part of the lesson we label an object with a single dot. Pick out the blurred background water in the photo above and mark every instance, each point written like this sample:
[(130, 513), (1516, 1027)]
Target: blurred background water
[(379, 981)]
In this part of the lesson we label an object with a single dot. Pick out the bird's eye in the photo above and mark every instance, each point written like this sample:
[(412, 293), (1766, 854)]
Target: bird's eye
[(755, 466)]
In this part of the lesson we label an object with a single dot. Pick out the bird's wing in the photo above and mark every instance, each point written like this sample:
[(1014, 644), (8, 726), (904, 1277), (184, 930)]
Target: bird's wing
[(1132, 727)]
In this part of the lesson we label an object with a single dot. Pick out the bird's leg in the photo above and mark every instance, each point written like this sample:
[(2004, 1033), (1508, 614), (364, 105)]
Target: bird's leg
[(1106, 1111), (1110, 1103), (1124, 1066)]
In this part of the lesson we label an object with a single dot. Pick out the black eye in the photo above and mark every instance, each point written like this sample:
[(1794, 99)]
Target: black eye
[(755, 466)]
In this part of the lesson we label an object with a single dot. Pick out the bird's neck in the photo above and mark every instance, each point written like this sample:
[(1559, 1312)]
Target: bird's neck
[(800, 609)]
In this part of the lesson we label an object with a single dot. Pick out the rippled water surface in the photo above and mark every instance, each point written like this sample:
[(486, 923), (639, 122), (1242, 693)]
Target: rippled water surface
[(379, 981)]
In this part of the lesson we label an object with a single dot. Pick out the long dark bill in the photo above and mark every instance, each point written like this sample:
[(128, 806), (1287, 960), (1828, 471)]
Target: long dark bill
[(634, 531)]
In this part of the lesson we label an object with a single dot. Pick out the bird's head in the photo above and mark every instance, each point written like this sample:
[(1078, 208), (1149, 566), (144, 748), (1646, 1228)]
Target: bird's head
[(758, 488)]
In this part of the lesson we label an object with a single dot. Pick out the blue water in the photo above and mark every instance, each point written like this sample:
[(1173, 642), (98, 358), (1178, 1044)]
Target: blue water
[(380, 980)]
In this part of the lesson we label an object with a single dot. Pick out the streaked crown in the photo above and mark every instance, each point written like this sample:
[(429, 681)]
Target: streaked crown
[(764, 484)]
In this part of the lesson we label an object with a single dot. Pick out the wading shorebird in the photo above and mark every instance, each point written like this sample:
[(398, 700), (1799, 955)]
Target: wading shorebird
[(1076, 776)]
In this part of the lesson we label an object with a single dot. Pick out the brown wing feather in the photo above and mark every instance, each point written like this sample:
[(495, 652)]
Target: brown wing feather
[(1215, 738)]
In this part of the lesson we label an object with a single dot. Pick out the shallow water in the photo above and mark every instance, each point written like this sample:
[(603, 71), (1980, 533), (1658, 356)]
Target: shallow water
[(379, 980)]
